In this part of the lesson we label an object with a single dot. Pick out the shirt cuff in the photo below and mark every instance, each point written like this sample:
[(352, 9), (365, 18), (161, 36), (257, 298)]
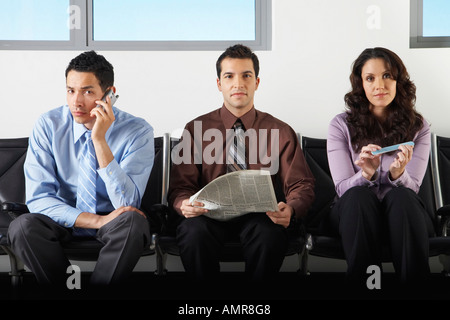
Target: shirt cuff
[(363, 182), (113, 175), (109, 171), (71, 217), (401, 181)]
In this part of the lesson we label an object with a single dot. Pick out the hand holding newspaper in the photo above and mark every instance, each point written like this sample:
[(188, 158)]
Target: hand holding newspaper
[(237, 193)]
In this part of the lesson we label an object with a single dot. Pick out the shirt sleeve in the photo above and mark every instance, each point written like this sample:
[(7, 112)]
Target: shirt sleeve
[(340, 159), (295, 175), (126, 178), (415, 169), (41, 181), (185, 175)]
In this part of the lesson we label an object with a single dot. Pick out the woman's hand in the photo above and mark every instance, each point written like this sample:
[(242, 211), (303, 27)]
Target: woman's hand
[(367, 161), (397, 167)]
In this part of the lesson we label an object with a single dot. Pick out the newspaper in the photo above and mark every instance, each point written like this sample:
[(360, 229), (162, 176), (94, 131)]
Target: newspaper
[(237, 193)]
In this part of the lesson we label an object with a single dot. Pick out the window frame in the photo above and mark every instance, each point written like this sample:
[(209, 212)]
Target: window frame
[(416, 39), (82, 39)]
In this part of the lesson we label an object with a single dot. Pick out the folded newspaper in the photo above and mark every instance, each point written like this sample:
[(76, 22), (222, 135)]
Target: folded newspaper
[(237, 193)]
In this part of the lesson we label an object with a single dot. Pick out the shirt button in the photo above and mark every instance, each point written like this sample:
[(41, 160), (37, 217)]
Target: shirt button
[(110, 173)]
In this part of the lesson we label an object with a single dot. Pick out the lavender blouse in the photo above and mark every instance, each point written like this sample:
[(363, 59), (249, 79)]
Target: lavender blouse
[(346, 174)]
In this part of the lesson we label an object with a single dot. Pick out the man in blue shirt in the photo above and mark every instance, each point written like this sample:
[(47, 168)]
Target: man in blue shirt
[(124, 151)]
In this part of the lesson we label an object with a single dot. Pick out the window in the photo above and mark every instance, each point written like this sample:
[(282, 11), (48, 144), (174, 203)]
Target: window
[(430, 24), (134, 24), (29, 20)]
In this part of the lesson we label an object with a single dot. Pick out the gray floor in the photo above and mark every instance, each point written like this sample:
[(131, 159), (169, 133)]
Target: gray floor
[(316, 264)]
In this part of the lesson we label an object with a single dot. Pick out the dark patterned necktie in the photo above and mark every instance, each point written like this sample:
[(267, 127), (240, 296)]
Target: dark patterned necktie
[(236, 155)]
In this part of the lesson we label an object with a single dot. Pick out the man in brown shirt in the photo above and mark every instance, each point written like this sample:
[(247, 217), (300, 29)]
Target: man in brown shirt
[(264, 236)]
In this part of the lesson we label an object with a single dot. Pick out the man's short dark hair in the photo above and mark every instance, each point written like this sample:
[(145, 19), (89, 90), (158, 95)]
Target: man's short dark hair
[(238, 51), (90, 61)]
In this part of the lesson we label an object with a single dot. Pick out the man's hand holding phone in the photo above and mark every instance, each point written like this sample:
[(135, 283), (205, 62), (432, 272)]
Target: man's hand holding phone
[(104, 114)]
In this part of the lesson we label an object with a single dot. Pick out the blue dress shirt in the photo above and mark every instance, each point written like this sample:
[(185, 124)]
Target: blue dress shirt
[(51, 165)]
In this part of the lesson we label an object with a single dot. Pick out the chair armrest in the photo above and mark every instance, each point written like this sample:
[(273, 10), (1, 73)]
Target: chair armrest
[(444, 211), (8, 212), (157, 217), (443, 214), (14, 208), (164, 219)]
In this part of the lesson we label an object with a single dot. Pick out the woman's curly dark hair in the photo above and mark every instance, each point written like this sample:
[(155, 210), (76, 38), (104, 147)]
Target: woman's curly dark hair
[(402, 120)]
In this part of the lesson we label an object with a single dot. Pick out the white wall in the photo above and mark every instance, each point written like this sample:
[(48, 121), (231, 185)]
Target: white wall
[(303, 78)]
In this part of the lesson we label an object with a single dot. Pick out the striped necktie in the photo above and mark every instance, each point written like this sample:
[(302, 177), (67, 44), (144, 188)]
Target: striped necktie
[(236, 155), (87, 182)]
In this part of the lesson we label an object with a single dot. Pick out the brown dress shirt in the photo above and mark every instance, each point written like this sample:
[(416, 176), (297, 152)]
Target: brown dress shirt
[(207, 161)]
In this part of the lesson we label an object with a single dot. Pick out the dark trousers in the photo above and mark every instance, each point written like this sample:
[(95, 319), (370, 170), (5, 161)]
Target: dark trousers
[(201, 241), (38, 241), (366, 225)]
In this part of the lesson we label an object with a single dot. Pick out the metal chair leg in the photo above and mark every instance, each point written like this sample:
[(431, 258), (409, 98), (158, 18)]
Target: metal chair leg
[(303, 262), (445, 261), (161, 258), (17, 270)]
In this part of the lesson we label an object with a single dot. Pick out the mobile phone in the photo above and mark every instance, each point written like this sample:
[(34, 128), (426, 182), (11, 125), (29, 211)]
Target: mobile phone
[(111, 96), (391, 148)]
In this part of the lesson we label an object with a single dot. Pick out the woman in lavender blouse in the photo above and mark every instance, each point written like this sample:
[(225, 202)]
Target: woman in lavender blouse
[(377, 203)]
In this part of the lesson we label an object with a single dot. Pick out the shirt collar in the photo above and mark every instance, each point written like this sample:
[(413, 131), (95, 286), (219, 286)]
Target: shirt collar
[(229, 119), (79, 130)]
